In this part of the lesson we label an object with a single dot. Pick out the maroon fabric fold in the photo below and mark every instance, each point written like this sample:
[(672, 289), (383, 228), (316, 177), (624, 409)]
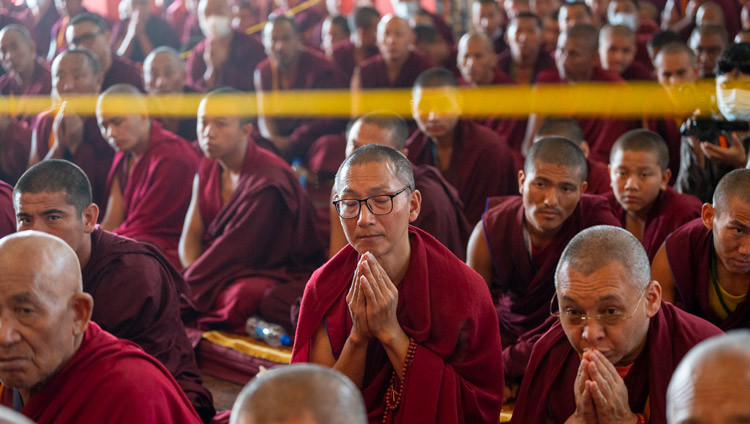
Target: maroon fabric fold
[(456, 375), (546, 394), (373, 72), (688, 251), (343, 57), (7, 214), (598, 178)]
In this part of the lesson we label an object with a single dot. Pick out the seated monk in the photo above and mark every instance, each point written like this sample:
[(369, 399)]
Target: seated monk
[(705, 263), (290, 66), (65, 11), (249, 244), (385, 310), (642, 199), (441, 213), (27, 75), (164, 75), (430, 44), (526, 57), (148, 184), (58, 365), (516, 245), (707, 42), (397, 65), (572, 13), (711, 384), (597, 177), (633, 14), (472, 158), (334, 30), (142, 31), (577, 61), (61, 133), (112, 266), (7, 216), (487, 18), (90, 31), (226, 57), (363, 43), (617, 48), (610, 356)]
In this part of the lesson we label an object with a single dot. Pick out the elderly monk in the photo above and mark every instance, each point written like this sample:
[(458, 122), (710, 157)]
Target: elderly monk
[(488, 18), (90, 31), (385, 310), (472, 158), (148, 184), (441, 213), (610, 356), (363, 24), (226, 57), (526, 56), (516, 245), (64, 134), (598, 174), (7, 216), (54, 197), (397, 66), (26, 75), (248, 244), (56, 365), (164, 75), (704, 264), (712, 383), (291, 66), (707, 42), (577, 62), (641, 197), (617, 48), (307, 393)]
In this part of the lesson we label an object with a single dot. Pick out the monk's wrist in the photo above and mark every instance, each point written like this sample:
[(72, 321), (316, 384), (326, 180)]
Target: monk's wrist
[(357, 340)]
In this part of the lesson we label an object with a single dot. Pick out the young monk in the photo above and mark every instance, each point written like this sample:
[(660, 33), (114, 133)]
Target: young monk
[(617, 49), (705, 264), (248, 244), (347, 55), (148, 183), (641, 197)]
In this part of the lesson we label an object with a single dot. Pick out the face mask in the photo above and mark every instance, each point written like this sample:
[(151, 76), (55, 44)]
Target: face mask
[(406, 9), (40, 4), (627, 19), (216, 26), (734, 104)]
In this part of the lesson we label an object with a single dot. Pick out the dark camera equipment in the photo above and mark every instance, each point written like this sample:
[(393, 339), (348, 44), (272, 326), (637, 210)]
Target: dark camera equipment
[(708, 129)]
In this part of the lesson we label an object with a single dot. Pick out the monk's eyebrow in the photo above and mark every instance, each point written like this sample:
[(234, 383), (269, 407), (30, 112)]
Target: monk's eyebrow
[(609, 297), (52, 212), (23, 298), (737, 223)]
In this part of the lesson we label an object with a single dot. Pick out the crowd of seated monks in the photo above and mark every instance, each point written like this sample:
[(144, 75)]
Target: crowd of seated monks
[(582, 256)]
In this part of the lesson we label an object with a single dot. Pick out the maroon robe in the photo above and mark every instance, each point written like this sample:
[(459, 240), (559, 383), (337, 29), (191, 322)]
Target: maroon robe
[(41, 82), (314, 71), (669, 130), (7, 214), (546, 394), (137, 297), (638, 72), (598, 178), (156, 192), (262, 243), (481, 165), (522, 285), (40, 30), (108, 380), (642, 37), (544, 62), (670, 211), (94, 155), (689, 250), (245, 53), (373, 72), (456, 375), (343, 57), (600, 133), (123, 71)]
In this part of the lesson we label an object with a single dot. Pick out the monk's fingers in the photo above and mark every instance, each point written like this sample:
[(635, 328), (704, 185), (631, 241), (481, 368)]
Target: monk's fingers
[(381, 274), (601, 402), (604, 366), (367, 291), (373, 284)]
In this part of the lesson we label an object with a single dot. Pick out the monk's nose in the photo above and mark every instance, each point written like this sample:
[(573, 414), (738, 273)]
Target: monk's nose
[(550, 197), (592, 330), (631, 183), (8, 333)]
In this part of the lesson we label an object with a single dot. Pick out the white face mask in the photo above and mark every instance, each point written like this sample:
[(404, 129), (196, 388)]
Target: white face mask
[(406, 9), (734, 104), (216, 26), (37, 3), (627, 19)]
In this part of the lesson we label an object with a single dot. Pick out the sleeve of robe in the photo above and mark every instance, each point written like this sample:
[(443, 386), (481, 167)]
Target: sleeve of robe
[(14, 148), (7, 214)]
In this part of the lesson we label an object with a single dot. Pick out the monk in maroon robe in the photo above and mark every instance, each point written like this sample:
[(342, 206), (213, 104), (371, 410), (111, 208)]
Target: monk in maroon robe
[(441, 213), (577, 62), (642, 199), (290, 66), (61, 133), (7, 215), (612, 353), (472, 158), (226, 57), (385, 312), (249, 243), (65, 11), (149, 182), (136, 290), (488, 18), (518, 242), (90, 31), (704, 262), (39, 18), (348, 55), (75, 371), (617, 50), (526, 57)]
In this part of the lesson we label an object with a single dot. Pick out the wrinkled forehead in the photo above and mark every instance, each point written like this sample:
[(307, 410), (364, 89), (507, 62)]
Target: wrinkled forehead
[(71, 61), (609, 282), (367, 178)]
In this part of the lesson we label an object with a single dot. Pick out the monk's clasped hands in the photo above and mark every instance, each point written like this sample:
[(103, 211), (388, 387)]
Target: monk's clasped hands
[(600, 393)]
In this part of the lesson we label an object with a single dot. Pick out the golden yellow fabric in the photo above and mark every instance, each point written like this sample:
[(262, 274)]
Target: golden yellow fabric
[(249, 346), (729, 300)]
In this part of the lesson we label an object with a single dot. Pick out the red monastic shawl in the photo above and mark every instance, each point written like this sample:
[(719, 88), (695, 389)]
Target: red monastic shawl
[(7, 214)]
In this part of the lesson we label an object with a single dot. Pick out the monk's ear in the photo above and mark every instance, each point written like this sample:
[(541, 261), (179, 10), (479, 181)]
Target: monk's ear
[(666, 175), (82, 305), (247, 129), (584, 145), (652, 298), (89, 216), (415, 205), (708, 213), (521, 179), (584, 186)]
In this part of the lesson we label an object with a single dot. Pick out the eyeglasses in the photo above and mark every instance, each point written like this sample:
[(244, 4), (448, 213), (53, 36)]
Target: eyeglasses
[(610, 317), (381, 204)]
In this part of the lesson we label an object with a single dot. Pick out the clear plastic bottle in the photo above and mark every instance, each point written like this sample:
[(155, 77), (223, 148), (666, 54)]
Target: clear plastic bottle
[(272, 334)]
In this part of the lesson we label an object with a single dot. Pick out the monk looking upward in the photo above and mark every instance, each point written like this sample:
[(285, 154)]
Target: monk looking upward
[(610, 356), (385, 310), (705, 264), (248, 244), (149, 182), (136, 290)]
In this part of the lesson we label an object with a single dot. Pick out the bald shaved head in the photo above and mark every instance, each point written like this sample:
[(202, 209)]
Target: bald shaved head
[(163, 71), (566, 128), (136, 102), (640, 140), (712, 382), (556, 151), (584, 32), (475, 37), (734, 185), (476, 58), (395, 38), (394, 131), (21, 30)]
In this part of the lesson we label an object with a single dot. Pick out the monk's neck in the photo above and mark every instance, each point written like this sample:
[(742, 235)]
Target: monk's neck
[(393, 68), (525, 62), (142, 144), (25, 77), (540, 239), (488, 78), (734, 284), (445, 141), (232, 162), (636, 225), (84, 253)]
